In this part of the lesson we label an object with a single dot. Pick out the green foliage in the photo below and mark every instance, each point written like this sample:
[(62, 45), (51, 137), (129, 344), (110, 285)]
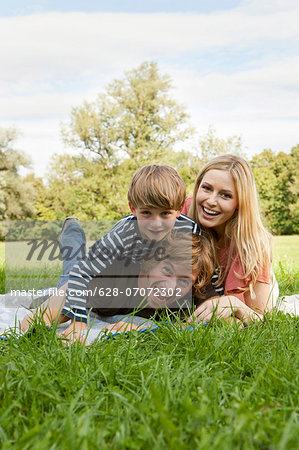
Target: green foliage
[(80, 186), (277, 179), (134, 122), (211, 145), (16, 193)]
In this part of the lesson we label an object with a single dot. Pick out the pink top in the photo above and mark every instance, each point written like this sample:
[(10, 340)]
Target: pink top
[(232, 284), (187, 205)]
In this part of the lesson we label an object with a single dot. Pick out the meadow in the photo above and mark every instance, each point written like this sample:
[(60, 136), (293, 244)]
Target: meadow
[(217, 387)]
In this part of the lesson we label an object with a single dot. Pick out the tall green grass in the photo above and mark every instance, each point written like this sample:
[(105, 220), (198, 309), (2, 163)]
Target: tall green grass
[(217, 387), (214, 388)]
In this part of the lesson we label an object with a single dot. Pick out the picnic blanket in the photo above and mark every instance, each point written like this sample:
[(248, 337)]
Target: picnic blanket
[(14, 308)]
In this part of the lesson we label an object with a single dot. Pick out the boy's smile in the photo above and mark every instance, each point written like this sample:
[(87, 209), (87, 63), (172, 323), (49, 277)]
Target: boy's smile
[(154, 223), (167, 282)]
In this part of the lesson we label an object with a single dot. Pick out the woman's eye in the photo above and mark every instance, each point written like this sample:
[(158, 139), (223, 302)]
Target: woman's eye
[(226, 195), (206, 188)]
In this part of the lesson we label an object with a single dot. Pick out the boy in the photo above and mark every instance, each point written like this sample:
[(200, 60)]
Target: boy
[(156, 196)]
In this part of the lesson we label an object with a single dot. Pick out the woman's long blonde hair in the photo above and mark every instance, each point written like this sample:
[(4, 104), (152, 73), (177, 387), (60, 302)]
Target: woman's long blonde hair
[(244, 231)]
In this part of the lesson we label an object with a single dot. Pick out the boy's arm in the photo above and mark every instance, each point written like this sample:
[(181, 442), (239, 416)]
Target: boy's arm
[(101, 255), (48, 311)]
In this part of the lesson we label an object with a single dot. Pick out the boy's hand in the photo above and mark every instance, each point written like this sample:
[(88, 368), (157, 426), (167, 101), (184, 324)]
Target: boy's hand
[(76, 331), (43, 314), (27, 321), (121, 327), (47, 312)]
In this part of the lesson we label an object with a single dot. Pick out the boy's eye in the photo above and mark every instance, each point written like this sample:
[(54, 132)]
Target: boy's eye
[(145, 213), (167, 270), (184, 282), (166, 213)]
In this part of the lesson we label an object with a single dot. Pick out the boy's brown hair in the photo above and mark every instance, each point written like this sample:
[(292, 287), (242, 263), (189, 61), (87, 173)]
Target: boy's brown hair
[(157, 186)]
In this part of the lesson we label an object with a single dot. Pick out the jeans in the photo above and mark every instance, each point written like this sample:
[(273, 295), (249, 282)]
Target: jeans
[(72, 244)]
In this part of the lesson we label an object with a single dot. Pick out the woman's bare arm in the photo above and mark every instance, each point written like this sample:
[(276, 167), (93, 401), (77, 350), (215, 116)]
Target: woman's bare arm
[(262, 301)]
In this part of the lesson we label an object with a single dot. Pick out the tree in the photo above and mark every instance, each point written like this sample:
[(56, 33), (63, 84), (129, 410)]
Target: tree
[(212, 146), (135, 118), (277, 182), (16, 195), (134, 122)]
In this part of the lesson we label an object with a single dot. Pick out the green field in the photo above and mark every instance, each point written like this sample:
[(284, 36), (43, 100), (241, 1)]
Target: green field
[(286, 250), (285, 264)]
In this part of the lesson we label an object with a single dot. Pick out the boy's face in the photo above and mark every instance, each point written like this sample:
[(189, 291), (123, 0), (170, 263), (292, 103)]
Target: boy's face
[(167, 282), (154, 223)]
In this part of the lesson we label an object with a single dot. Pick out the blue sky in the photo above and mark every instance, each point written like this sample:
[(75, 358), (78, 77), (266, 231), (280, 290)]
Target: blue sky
[(234, 66), (19, 7)]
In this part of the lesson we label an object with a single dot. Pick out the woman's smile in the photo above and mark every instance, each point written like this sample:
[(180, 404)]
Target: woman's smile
[(210, 212)]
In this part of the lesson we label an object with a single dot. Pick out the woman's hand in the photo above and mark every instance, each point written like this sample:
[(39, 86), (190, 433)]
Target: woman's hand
[(224, 307)]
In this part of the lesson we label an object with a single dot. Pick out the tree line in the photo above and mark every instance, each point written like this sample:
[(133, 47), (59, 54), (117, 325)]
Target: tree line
[(134, 122)]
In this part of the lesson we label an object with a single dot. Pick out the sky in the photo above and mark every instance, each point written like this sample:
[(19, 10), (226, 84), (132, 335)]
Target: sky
[(234, 64)]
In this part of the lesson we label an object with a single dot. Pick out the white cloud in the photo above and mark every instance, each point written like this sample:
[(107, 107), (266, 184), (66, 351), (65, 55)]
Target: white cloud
[(54, 45), (268, 6), (51, 62), (260, 104)]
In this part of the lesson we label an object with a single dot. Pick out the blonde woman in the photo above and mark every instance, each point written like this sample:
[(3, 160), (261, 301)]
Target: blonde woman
[(225, 204)]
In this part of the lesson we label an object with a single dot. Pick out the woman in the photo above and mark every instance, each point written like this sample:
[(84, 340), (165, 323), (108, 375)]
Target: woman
[(225, 204)]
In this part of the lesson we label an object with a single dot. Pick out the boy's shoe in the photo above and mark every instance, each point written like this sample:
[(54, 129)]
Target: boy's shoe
[(66, 223)]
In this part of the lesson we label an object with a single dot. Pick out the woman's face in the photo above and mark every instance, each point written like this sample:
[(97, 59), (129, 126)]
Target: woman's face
[(216, 200), (167, 282)]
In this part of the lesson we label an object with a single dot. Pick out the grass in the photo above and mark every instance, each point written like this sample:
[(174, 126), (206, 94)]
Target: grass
[(216, 387), (286, 249), (212, 388), (39, 276), (286, 263)]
